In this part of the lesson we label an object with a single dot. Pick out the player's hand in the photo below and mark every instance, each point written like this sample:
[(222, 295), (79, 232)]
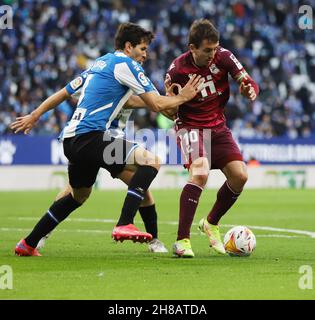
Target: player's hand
[(170, 87), (170, 90), (192, 87), (248, 91), (25, 123)]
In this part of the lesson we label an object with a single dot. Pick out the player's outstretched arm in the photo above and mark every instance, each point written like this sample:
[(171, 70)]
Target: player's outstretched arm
[(159, 103), (134, 102), (27, 123)]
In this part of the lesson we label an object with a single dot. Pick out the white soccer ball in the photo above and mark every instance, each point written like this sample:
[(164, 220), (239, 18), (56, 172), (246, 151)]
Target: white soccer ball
[(239, 241)]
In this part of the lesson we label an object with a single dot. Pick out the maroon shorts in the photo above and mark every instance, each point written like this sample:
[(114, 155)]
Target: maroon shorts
[(216, 144)]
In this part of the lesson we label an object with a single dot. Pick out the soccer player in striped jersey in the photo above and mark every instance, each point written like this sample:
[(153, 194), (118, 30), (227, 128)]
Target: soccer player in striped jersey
[(109, 83)]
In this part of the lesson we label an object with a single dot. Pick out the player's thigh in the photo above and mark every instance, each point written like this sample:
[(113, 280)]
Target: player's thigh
[(83, 153), (224, 149), (195, 145), (118, 155), (82, 175)]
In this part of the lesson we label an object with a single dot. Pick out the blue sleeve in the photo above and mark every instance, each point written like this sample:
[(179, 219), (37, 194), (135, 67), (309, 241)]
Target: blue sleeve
[(131, 74), (77, 83)]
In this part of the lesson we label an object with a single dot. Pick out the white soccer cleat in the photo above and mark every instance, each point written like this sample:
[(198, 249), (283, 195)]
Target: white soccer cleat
[(157, 246)]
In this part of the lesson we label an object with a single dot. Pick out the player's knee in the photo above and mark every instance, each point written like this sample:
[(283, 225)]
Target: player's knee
[(242, 177), (200, 179), (153, 161), (199, 172), (144, 157), (81, 195), (157, 163)]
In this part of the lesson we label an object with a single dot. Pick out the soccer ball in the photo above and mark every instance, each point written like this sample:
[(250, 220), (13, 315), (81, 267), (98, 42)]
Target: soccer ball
[(239, 241)]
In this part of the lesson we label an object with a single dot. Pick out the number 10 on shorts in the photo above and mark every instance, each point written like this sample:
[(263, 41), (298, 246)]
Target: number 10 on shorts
[(194, 144)]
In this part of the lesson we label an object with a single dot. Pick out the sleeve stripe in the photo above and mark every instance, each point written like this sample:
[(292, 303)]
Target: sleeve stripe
[(124, 76)]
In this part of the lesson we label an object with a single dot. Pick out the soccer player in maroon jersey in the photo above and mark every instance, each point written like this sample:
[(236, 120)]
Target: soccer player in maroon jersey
[(201, 126)]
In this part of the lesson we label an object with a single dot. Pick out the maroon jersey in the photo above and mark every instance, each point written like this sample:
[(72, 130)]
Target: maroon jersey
[(206, 110)]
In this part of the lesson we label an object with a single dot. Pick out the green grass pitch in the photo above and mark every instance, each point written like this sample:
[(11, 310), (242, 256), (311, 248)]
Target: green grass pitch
[(80, 261)]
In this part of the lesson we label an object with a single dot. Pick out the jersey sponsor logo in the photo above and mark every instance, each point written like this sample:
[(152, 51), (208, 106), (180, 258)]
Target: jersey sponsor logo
[(214, 69), (100, 64), (136, 66), (143, 79), (208, 84), (237, 63), (76, 83)]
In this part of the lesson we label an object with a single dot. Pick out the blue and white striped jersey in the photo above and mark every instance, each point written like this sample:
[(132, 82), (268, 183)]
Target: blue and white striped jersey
[(105, 88)]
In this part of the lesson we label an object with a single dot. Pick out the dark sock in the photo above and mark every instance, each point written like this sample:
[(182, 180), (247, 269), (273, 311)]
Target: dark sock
[(59, 211), (139, 184), (188, 204), (225, 199), (149, 217)]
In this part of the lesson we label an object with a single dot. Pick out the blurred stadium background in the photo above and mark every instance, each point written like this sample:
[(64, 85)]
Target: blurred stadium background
[(53, 41)]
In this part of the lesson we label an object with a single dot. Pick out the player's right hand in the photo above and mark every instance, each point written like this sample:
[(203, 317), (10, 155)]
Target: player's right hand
[(192, 87), (25, 124), (173, 90)]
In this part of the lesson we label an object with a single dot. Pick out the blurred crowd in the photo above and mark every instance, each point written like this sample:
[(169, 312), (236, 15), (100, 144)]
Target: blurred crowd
[(53, 41)]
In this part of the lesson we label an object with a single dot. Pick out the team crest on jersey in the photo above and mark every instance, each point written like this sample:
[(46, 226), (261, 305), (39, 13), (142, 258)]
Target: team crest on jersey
[(214, 69), (143, 79), (76, 83), (172, 66)]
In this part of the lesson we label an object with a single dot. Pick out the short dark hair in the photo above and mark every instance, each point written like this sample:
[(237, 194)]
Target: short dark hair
[(133, 33), (203, 29)]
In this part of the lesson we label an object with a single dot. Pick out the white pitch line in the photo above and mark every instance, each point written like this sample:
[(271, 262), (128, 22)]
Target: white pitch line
[(61, 230), (109, 231), (294, 231)]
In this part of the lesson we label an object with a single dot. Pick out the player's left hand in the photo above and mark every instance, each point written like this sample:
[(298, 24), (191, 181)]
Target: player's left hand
[(248, 91), (25, 124)]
